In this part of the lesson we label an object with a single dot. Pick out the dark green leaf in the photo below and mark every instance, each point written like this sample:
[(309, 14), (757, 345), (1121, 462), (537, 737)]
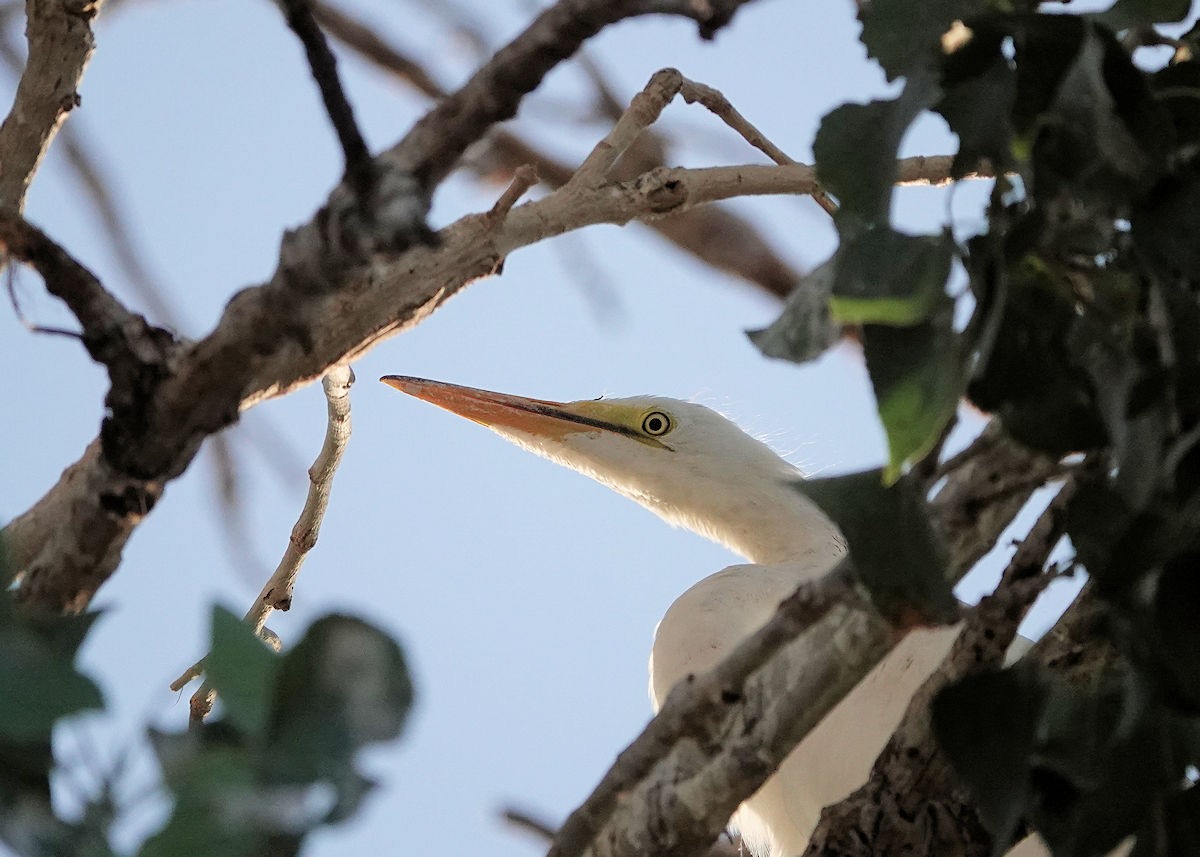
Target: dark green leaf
[(219, 809), (980, 90), (37, 671), (1125, 14), (1177, 628), (903, 38), (344, 685), (885, 277), (1102, 763), (856, 148), (917, 377), (1030, 377), (242, 670), (1166, 222), (804, 329), (897, 554), (987, 725)]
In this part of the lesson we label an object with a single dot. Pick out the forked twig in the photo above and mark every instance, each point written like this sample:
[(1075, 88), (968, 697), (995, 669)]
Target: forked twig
[(276, 593)]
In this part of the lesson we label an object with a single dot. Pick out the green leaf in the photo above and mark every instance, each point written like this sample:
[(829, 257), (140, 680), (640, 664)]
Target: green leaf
[(1176, 631), (216, 795), (1031, 376), (896, 552), (37, 671), (885, 277), (917, 377), (1126, 14), (903, 38), (980, 91), (804, 330), (242, 670), (345, 685), (283, 760), (856, 146), (987, 726)]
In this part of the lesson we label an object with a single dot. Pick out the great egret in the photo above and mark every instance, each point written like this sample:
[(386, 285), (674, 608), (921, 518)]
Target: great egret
[(696, 469)]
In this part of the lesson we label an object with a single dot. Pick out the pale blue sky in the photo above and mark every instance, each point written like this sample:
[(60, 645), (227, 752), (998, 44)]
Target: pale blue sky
[(525, 595)]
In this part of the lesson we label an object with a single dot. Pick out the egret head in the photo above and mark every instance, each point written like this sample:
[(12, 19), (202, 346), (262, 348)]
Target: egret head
[(687, 463)]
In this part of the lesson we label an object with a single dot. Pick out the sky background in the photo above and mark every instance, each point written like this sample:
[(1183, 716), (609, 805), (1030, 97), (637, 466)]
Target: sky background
[(525, 595)]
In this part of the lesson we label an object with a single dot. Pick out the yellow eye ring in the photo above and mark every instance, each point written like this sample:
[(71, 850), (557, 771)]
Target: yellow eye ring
[(656, 423)]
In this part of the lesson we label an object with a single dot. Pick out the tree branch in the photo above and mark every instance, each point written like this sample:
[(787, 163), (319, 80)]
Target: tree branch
[(60, 45), (720, 734), (714, 235), (300, 17)]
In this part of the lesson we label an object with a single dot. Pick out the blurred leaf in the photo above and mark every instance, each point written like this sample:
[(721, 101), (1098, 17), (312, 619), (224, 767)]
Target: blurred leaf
[(917, 377), (282, 761), (902, 41), (980, 91), (1176, 625), (1166, 221), (897, 554), (1031, 378), (987, 726), (885, 277), (856, 146), (345, 685), (242, 670), (215, 787), (1103, 765), (804, 330), (1125, 14), (37, 671)]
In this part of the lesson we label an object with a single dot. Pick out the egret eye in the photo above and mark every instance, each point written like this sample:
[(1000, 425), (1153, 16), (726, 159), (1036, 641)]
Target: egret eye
[(656, 423)]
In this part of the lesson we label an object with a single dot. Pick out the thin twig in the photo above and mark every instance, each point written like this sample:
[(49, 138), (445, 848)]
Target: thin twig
[(524, 821), (110, 331), (301, 19), (363, 39), (524, 177), (277, 592), (719, 105)]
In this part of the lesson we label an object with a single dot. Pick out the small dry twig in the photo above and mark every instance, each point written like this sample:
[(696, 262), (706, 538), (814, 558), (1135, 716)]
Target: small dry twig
[(277, 591), (524, 177)]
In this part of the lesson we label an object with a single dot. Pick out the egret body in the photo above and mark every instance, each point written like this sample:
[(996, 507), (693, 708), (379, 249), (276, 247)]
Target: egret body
[(697, 470)]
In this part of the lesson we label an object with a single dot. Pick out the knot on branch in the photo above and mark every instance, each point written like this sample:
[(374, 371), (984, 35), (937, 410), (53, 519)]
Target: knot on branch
[(384, 215), (662, 189)]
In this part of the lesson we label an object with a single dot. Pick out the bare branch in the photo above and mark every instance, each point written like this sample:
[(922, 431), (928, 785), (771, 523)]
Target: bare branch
[(323, 63), (367, 42), (111, 333), (524, 821), (277, 592), (432, 148), (712, 234), (276, 338), (719, 735), (60, 45)]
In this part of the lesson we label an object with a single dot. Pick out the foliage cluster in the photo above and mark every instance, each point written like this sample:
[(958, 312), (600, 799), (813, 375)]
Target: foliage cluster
[(1083, 336)]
